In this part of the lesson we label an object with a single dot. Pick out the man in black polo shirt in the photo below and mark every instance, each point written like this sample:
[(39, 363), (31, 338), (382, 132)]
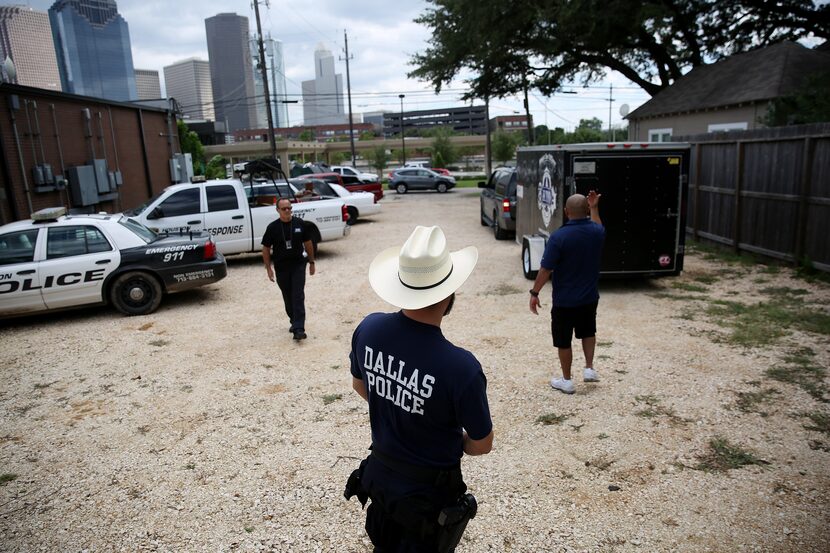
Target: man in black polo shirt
[(572, 255), (283, 243)]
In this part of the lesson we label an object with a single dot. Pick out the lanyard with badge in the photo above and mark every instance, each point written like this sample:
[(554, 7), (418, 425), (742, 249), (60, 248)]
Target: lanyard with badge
[(282, 230)]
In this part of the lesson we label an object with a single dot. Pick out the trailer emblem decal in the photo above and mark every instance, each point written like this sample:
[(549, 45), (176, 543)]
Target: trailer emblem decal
[(546, 199), (665, 260)]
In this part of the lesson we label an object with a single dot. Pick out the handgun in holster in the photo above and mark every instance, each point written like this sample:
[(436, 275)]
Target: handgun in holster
[(453, 521), (354, 487)]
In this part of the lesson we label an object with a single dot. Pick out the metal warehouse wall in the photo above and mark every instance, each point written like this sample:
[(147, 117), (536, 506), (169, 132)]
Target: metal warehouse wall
[(765, 191), (50, 127)]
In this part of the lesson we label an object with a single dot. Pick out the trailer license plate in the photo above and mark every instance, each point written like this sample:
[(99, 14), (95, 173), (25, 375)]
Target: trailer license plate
[(585, 167)]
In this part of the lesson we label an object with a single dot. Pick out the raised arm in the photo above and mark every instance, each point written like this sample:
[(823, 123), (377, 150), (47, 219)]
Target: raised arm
[(593, 205)]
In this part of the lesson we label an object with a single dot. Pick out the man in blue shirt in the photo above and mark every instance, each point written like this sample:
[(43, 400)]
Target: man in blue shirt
[(427, 399), (572, 256)]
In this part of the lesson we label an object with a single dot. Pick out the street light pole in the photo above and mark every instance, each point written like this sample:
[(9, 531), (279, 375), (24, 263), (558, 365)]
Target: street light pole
[(264, 71), (403, 144)]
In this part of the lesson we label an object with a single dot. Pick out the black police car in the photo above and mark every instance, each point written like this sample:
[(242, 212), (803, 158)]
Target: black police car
[(57, 261)]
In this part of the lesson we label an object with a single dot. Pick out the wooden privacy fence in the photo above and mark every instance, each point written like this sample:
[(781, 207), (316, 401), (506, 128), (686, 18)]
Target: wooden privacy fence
[(765, 192)]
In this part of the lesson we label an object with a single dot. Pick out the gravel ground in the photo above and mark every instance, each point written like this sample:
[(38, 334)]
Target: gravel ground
[(204, 427)]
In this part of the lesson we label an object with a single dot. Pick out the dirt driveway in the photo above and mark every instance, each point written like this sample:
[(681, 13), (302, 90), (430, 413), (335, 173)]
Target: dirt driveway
[(204, 427)]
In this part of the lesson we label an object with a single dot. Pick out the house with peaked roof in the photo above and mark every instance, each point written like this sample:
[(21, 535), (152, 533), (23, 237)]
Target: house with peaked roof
[(732, 94)]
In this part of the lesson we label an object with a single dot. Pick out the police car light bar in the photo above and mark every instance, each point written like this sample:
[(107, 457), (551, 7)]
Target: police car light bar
[(49, 214)]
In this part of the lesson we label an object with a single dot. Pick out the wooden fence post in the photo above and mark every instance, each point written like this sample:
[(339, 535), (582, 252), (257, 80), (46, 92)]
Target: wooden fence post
[(803, 199), (739, 177)]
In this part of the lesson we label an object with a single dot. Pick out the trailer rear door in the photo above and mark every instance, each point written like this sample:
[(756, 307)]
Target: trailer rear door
[(640, 208)]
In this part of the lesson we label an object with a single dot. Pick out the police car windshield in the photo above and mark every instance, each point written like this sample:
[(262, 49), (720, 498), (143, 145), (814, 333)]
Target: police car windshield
[(137, 228)]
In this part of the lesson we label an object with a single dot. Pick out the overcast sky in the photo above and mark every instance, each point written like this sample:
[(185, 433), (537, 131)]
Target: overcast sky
[(382, 37)]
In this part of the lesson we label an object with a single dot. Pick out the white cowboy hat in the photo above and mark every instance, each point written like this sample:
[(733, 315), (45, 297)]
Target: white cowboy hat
[(422, 272)]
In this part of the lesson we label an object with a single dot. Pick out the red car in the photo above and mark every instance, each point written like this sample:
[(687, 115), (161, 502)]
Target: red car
[(350, 183), (444, 172)]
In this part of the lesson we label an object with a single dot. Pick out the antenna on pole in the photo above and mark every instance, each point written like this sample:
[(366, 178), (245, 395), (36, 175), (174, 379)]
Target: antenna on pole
[(349, 93), (263, 68)]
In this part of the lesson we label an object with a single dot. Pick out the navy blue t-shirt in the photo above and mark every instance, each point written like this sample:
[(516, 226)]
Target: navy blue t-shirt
[(422, 390), (574, 253)]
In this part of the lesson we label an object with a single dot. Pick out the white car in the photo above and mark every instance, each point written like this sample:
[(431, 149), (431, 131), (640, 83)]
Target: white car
[(346, 171), (58, 261), (358, 204)]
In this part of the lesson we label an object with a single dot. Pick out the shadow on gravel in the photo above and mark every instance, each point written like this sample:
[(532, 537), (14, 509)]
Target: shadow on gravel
[(624, 286)]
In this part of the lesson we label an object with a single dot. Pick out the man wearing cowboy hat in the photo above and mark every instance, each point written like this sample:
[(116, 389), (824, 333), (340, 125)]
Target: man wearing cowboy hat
[(427, 399)]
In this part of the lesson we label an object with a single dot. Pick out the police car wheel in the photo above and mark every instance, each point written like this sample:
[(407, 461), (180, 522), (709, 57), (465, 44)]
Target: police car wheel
[(136, 293), (352, 215)]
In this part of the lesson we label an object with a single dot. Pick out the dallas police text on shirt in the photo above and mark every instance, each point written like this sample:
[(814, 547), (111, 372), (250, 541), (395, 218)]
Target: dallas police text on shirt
[(387, 379)]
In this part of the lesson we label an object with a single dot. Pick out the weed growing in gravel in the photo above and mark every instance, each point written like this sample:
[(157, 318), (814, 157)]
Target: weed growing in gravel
[(190, 466), (821, 422), (7, 477), (801, 370), (723, 456), (602, 436), (249, 529), (552, 418), (687, 286), (159, 343), (749, 402), (676, 297), (654, 409), (605, 344), (331, 398), (503, 290), (705, 279)]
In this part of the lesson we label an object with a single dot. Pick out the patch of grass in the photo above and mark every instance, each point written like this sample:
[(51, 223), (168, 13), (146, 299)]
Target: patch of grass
[(647, 399), (805, 271), (784, 292), (687, 286), (705, 279), (760, 280), (677, 297), (714, 252), (654, 409), (801, 370), (7, 477), (606, 344), (190, 466), (331, 398), (552, 418), (821, 422), (503, 290), (647, 413), (723, 456), (771, 269), (249, 529), (602, 436), (603, 357), (749, 402), (159, 343)]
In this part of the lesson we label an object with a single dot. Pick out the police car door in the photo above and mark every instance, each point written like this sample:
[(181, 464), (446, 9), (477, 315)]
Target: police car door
[(181, 211), (19, 277), (225, 219), (78, 259)]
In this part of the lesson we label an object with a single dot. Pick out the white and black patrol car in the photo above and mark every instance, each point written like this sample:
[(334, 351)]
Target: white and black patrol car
[(57, 261)]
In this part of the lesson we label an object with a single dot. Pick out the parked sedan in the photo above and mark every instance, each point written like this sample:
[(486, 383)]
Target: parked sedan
[(358, 204), (413, 178), (57, 261)]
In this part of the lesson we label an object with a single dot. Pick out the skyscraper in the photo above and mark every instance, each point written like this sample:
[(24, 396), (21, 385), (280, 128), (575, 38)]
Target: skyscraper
[(275, 68), (92, 43), (188, 81), (231, 70), (147, 84), (26, 39), (323, 97)]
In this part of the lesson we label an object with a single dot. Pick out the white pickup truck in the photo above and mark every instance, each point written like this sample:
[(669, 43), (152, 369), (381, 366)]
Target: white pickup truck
[(235, 213)]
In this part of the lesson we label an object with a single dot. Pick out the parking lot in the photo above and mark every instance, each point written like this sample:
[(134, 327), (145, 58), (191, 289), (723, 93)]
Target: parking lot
[(205, 427)]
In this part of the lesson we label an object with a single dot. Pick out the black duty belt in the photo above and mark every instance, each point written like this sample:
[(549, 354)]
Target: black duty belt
[(418, 473)]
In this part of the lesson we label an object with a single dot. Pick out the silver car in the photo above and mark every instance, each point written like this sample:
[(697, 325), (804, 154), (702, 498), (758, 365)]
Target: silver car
[(415, 178)]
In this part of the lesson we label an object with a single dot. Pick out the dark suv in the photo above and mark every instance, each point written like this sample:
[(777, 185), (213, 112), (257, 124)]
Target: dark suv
[(498, 202)]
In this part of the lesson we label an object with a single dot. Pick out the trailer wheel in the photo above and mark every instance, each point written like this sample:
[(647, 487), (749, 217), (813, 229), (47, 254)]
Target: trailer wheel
[(498, 232), (530, 275), (136, 293)]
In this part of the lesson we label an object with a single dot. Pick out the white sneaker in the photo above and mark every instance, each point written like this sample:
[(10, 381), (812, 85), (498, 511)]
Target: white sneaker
[(564, 386), (590, 375)]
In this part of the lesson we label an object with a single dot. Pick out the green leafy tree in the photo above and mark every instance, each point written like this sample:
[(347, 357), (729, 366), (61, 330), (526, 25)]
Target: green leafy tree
[(378, 158), (336, 158), (189, 143), (444, 151), (542, 44), (811, 104), (367, 135), (306, 135), (504, 146), (216, 168)]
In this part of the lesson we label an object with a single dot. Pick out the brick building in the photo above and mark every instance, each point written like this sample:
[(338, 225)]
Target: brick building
[(53, 145)]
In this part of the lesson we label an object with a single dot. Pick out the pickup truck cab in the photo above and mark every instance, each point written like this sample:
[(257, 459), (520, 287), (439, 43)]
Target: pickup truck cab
[(498, 202), (350, 183), (347, 171), (235, 214)]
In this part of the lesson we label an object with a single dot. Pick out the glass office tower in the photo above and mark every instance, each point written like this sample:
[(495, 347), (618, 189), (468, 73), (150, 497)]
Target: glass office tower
[(92, 43)]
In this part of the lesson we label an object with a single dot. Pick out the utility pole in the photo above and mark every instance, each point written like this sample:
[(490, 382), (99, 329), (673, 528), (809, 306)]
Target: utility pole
[(610, 101), (349, 92), (264, 71)]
